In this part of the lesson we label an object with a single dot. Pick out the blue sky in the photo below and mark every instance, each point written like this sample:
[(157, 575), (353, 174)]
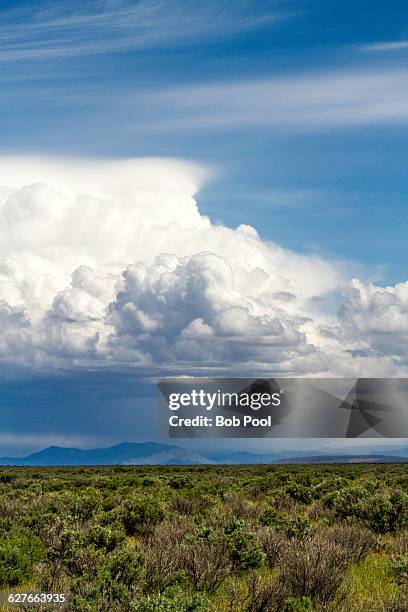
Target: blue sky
[(299, 111), (296, 105)]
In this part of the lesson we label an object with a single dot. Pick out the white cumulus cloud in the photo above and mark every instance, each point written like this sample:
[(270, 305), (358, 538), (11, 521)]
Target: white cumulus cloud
[(378, 317), (110, 263)]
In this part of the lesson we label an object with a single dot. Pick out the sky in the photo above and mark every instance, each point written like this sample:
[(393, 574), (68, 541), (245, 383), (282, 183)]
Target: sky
[(193, 187)]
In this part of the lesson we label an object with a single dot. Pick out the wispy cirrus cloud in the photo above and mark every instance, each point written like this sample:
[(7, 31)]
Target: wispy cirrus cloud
[(46, 30), (390, 45), (313, 101)]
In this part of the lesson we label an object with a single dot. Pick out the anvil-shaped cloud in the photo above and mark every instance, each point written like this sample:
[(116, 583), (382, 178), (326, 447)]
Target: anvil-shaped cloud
[(111, 264)]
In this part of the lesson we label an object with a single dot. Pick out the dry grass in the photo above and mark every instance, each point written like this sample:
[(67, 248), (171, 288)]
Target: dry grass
[(368, 585)]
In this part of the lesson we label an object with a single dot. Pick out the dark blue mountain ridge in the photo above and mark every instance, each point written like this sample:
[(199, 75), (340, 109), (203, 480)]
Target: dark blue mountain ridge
[(125, 453), (153, 453)]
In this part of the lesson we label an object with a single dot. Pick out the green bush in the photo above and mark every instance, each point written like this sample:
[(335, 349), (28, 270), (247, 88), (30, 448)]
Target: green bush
[(116, 582), (273, 518), (17, 557), (124, 566), (141, 513), (399, 512), (349, 502), (378, 513), (382, 512), (295, 526), (298, 527), (85, 506), (245, 548), (181, 482), (107, 537), (300, 492)]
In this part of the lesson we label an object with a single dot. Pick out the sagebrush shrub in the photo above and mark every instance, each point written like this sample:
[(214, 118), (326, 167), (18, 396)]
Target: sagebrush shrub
[(262, 597), (163, 553), (314, 568), (183, 505), (356, 540), (240, 507), (274, 544), (207, 562)]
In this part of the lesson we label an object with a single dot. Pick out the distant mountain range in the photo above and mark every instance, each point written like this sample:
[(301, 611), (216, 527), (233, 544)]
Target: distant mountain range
[(152, 453), (127, 453)]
